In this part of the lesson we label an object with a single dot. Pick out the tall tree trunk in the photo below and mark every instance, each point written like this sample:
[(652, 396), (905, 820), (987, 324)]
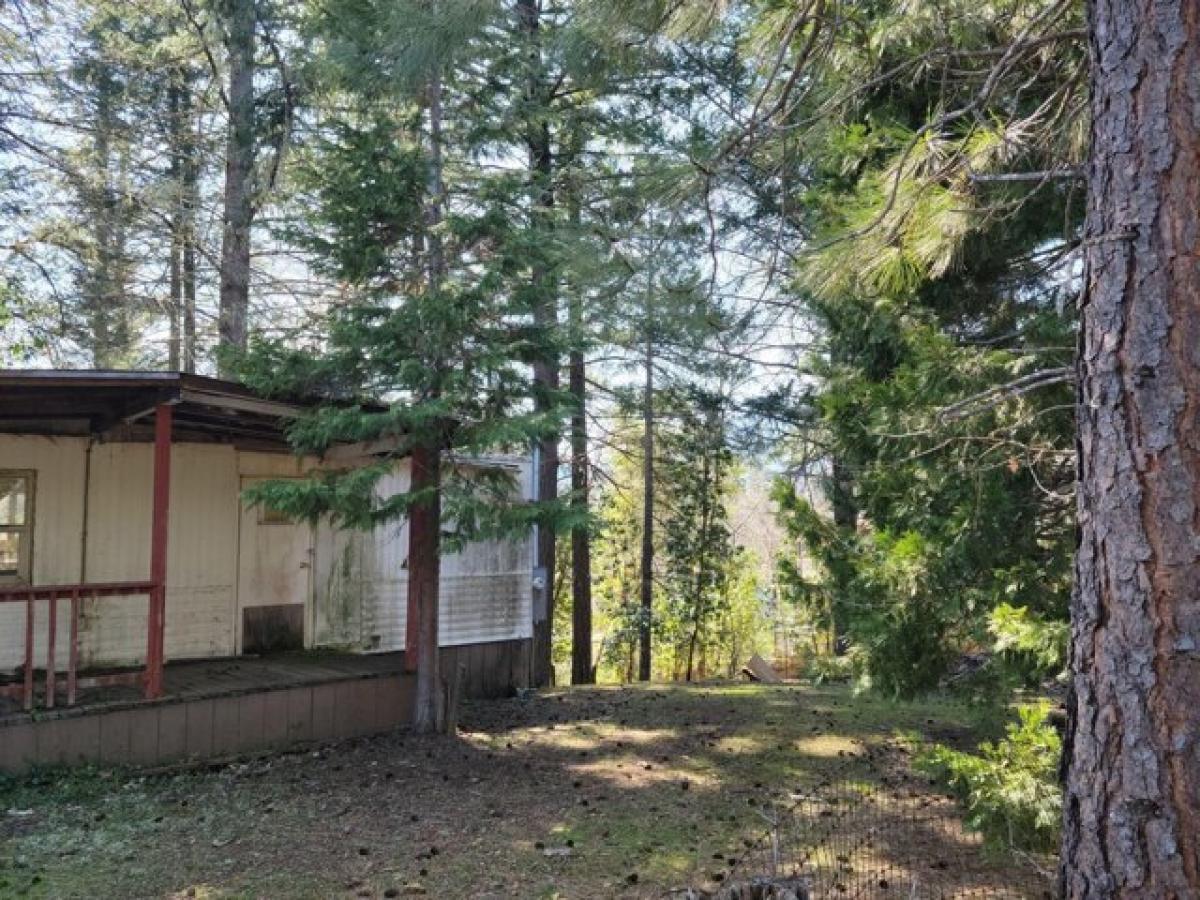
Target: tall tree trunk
[(582, 671), (180, 136), (175, 290), (845, 517), (424, 564), (582, 666), (1132, 754), (106, 281), (239, 21), (645, 620), (425, 519), (435, 208), (545, 368), (191, 202), (699, 610)]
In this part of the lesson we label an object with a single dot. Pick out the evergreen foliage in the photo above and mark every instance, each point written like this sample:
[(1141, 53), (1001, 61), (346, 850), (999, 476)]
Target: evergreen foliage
[(939, 296), (409, 357), (683, 202), (1010, 787)]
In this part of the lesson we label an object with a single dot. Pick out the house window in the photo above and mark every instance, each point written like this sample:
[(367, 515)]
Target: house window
[(268, 516), (16, 525)]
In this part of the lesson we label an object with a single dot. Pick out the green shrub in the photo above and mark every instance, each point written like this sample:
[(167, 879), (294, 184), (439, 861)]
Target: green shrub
[(909, 655), (1039, 645), (1010, 788)]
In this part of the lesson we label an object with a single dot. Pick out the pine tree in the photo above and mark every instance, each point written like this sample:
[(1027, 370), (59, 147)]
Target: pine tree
[(413, 265), (119, 113), (696, 467), (1132, 804), (239, 24), (934, 406)]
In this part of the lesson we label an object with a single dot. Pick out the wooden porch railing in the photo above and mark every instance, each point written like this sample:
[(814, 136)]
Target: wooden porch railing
[(150, 679)]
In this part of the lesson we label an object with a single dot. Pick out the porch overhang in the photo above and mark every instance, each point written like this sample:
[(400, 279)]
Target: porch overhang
[(155, 407), (119, 406)]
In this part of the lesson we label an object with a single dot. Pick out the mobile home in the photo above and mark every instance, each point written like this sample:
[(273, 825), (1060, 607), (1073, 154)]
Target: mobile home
[(133, 576)]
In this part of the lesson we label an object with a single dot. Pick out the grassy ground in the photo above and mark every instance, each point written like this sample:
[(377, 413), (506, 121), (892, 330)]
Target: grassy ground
[(573, 793)]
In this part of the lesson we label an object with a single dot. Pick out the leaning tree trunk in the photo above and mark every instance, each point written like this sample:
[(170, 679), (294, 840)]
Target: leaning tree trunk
[(1132, 805), (239, 172)]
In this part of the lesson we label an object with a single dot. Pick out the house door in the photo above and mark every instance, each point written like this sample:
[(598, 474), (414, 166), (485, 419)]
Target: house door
[(274, 580)]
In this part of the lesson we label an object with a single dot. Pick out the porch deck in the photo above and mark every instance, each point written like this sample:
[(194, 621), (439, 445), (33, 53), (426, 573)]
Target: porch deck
[(214, 708), (197, 679)]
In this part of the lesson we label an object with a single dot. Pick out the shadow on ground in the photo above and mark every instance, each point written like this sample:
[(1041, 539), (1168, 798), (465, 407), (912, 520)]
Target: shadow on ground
[(600, 792)]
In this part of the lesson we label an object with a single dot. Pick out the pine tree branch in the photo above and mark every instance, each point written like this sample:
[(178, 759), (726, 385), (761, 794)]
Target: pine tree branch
[(1045, 175), (994, 396)]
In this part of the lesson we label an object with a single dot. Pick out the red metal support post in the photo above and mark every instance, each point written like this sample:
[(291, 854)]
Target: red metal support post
[(51, 642), (29, 606), (73, 653), (156, 619)]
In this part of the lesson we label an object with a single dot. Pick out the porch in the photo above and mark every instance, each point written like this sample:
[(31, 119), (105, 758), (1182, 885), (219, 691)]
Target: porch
[(63, 566), (213, 709), (140, 596), (222, 708)]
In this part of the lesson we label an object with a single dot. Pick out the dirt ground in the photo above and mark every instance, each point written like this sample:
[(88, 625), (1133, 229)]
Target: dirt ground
[(604, 792)]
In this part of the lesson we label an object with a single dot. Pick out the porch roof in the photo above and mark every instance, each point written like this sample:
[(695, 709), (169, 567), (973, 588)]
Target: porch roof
[(119, 406)]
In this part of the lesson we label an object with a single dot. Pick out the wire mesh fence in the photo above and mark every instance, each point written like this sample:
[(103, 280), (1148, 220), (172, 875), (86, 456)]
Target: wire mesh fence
[(850, 839)]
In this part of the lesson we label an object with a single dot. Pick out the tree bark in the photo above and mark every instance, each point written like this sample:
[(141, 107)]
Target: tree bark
[(582, 669), (185, 178), (422, 638), (239, 173), (191, 202), (699, 606), (845, 517), (1132, 753), (546, 367), (176, 129), (424, 563), (646, 620), (105, 282), (435, 207)]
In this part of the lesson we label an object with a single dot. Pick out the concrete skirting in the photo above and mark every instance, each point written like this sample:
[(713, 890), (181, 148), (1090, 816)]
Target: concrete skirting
[(178, 729)]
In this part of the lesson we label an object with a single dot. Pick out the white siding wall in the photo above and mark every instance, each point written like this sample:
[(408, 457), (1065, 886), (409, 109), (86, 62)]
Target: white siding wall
[(202, 545), (361, 596), (359, 582), (278, 465), (360, 587), (57, 535), (201, 550)]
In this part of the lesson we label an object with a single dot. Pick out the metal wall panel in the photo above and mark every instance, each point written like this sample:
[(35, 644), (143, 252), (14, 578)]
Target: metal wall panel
[(361, 585), (359, 579)]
